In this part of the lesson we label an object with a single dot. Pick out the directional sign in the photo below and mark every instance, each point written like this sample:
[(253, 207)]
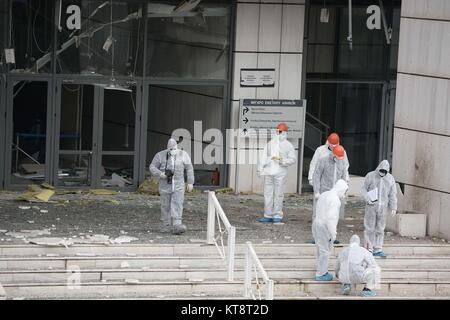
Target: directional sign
[(260, 117)]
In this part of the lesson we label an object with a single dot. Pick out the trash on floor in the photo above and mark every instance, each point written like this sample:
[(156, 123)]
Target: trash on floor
[(49, 241), (36, 194), (116, 181), (149, 186), (124, 239), (103, 192)]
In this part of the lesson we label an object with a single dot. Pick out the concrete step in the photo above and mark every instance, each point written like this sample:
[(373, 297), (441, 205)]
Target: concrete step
[(184, 262), (51, 276), (203, 249), (206, 289)]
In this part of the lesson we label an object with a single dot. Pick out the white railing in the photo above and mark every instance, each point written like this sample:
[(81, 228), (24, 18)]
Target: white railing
[(215, 211), (252, 263)]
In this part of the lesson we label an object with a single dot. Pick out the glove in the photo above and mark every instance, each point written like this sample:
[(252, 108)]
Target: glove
[(393, 213), (190, 187), (163, 175), (316, 195), (370, 203)]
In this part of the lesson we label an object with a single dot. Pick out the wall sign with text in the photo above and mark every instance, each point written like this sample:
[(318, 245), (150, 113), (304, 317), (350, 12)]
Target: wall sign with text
[(258, 78)]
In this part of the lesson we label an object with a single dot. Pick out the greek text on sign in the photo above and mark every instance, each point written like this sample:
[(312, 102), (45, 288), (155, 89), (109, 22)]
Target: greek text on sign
[(260, 117), (258, 78)]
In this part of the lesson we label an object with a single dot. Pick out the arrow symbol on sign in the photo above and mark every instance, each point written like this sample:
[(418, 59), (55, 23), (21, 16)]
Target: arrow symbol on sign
[(245, 111), (245, 120), (245, 131)]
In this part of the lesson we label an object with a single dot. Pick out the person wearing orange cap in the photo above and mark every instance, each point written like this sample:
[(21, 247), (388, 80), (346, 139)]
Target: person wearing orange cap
[(323, 151), (273, 164)]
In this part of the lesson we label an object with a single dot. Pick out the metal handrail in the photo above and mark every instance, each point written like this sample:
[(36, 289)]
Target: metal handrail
[(215, 210), (318, 120), (252, 262)]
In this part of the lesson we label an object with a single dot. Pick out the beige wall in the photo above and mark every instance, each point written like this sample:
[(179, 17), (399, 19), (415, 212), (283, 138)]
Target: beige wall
[(269, 34), (421, 155)]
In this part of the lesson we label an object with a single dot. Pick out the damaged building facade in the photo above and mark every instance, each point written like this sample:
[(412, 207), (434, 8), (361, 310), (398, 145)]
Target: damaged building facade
[(91, 90)]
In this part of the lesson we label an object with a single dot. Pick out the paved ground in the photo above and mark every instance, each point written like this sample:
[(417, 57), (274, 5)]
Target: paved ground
[(75, 216)]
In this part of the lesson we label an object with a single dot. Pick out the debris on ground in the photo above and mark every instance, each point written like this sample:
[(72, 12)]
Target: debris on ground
[(28, 233), (35, 193), (47, 186), (149, 186), (48, 241), (24, 208), (124, 239), (116, 181), (224, 190), (103, 192)]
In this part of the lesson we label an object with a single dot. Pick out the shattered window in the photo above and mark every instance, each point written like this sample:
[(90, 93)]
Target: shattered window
[(3, 33), (109, 41), (32, 30), (190, 41)]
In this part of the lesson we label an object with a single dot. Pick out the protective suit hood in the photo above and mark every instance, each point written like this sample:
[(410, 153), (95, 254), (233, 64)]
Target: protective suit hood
[(340, 188), (171, 144), (355, 241), (384, 165)]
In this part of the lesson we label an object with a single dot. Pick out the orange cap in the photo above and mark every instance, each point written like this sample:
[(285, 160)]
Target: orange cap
[(339, 152), (333, 139), (282, 127)]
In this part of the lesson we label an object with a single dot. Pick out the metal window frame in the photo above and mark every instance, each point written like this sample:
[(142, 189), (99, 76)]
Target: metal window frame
[(97, 133), (223, 168), (11, 78), (2, 128), (55, 80)]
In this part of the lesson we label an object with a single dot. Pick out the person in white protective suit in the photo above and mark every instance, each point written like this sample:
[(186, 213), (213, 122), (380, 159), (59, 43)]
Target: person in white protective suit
[(323, 151), (355, 265), (380, 193), (324, 227), (329, 170), (277, 156), (169, 165)]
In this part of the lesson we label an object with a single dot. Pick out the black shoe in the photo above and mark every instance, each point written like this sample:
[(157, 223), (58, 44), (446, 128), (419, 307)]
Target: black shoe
[(336, 242)]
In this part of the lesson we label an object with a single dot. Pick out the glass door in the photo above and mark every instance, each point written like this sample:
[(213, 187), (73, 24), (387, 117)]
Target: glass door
[(27, 131), (96, 134), (76, 142), (117, 129)]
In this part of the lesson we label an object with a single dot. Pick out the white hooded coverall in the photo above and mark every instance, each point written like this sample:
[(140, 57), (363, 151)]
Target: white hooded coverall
[(376, 213), (172, 195), (356, 264), (275, 172), (322, 152), (324, 226)]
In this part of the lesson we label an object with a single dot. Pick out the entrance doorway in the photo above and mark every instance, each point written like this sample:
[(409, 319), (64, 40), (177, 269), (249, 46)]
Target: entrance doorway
[(196, 109), (27, 131), (96, 130)]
